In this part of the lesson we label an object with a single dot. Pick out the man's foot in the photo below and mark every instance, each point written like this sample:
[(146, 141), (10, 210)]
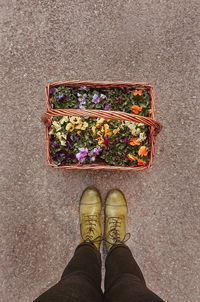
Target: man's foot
[(115, 218), (90, 216)]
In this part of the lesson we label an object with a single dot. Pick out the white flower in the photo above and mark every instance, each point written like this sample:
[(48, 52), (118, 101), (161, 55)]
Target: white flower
[(64, 119), (103, 96), (58, 135), (63, 142), (62, 138), (142, 136), (134, 132), (63, 135), (57, 125), (51, 131), (138, 131)]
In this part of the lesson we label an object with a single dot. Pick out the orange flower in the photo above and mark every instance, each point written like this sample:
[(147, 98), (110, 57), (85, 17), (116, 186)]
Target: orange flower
[(132, 157), (143, 151), (136, 109), (100, 139), (137, 92), (141, 162), (135, 142)]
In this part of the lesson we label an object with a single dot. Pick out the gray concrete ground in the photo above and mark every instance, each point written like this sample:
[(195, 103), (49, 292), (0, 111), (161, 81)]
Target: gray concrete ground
[(152, 41)]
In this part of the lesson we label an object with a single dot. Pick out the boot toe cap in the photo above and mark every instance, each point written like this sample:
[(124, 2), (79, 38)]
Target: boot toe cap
[(90, 196), (115, 198)]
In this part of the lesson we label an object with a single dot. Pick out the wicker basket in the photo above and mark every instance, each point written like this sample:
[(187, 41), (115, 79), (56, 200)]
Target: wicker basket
[(154, 126)]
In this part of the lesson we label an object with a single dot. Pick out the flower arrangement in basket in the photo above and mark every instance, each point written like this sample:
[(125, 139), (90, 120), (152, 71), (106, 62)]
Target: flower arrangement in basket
[(100, 125)]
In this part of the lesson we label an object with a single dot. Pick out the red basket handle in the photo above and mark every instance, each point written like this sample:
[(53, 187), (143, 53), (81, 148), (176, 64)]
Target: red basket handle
[(116, 115)]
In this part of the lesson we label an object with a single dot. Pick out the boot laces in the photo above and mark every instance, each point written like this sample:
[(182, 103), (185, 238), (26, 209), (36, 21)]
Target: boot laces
[(91, 223), (114, 233), (115, 223)]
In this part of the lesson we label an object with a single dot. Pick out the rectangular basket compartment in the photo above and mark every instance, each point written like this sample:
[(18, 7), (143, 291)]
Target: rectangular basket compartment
[(104, 85)]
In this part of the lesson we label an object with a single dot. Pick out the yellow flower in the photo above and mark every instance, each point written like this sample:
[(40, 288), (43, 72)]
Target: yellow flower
[(132, 157), (102, 129), (94, 130), (106, 130), (85, 125), (69, 127), (115, 131), (75, 120), (56, 125), (106, 127), (79, 126), (100, 140), (99, 122), (64, 119)]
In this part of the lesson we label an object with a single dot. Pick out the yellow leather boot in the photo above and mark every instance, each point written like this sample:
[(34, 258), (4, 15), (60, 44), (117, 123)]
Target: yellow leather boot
[(115, 218), (90, 216)]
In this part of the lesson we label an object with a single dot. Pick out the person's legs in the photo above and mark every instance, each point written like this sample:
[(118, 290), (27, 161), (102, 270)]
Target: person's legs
[(81, 279), (124, 281)]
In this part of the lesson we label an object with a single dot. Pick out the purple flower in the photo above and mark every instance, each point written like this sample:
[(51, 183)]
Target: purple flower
[(81, 106), (63, 156), (82, 100), (80, 157), (83, 150), (60, 154), (69, 141), (92, 158), (54, 144), (127, 90), (83, 88), (106, 107), (51, 91), (95, 151), (96, 99), (82, 97), (82, 154), (61, 97)]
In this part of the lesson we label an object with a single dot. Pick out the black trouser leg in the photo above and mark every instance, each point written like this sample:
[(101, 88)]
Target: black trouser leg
[(81, 279), (124, 281)]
